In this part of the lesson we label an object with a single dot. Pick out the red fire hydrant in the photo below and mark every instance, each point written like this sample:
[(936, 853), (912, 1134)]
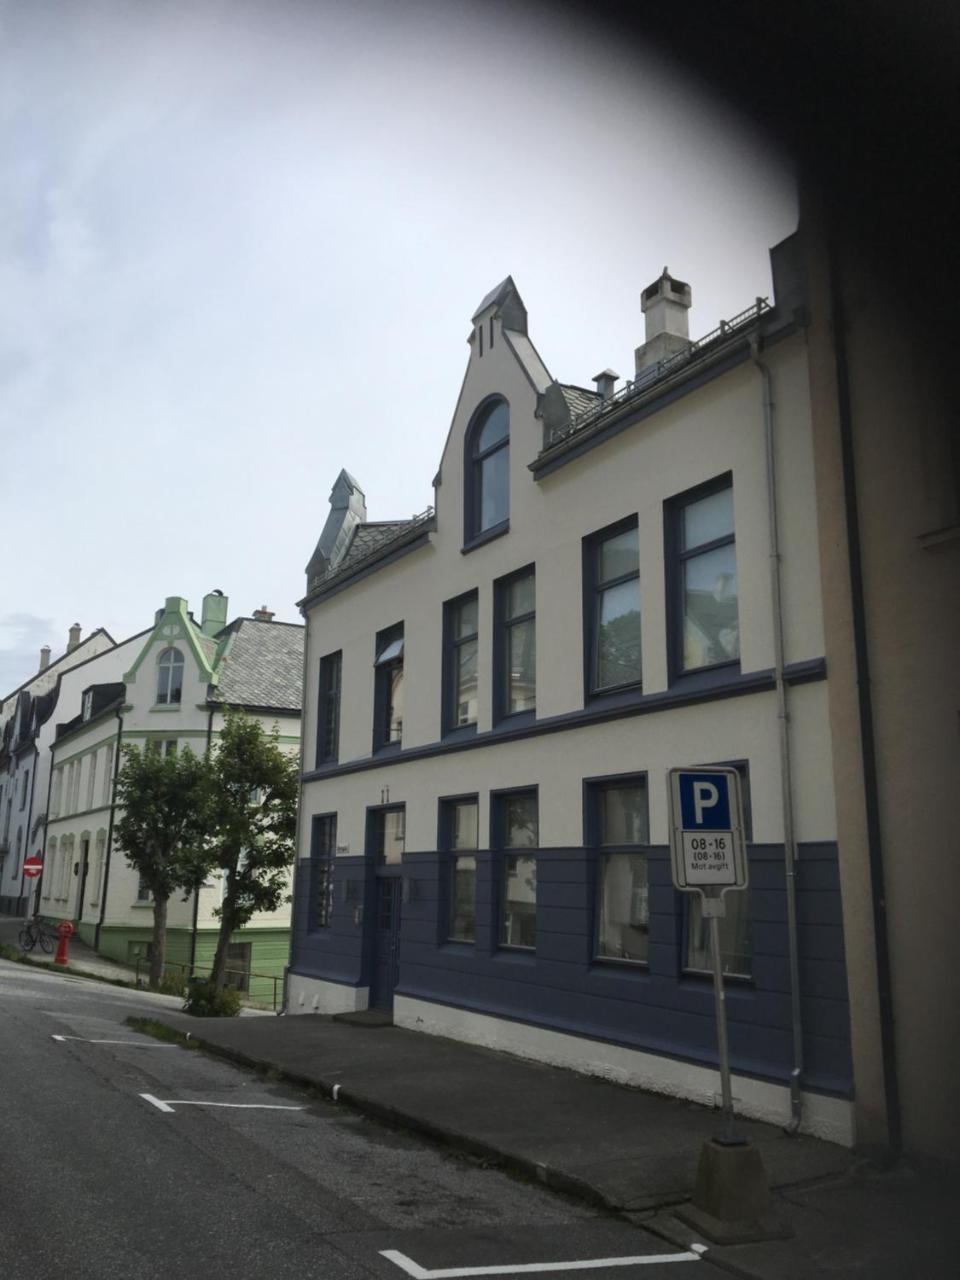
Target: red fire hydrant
[(66, 931)]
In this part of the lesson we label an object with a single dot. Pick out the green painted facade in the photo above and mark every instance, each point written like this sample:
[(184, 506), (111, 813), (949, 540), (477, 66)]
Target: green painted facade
[(269, 953)]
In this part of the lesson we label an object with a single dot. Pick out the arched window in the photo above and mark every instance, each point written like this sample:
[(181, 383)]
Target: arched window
[(487, 488), (169, 676)]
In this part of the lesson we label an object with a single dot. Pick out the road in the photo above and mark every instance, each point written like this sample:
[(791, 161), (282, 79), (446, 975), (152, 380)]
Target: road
[(100, 1181)]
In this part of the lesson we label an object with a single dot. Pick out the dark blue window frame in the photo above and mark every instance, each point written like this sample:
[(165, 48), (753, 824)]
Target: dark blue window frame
[(502, 626), (450, 730), (384, 673), (323, 851), (447, 853), (593, 789), (473, 460), (593, 589), (328, 708), (674, 557), (498, 805)]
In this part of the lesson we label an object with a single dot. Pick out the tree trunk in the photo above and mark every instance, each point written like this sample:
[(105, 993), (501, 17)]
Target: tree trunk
[(218, 975), (158, 954)]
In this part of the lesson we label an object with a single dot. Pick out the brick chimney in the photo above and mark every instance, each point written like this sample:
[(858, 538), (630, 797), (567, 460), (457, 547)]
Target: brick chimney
[(73, 638), (263, 614), (665, 304), (44, 657)]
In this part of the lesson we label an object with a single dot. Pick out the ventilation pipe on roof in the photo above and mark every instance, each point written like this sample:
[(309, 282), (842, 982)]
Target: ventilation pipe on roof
[(605, 381), (665, 304), (44, 657), (73, 639)]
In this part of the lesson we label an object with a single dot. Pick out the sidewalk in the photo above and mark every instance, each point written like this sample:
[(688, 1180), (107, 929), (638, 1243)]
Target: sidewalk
[(628, 1151), (83, 959), (85, 962)]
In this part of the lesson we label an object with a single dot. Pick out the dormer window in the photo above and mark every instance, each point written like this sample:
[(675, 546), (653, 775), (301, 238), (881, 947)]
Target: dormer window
[(169, 676), (487, 479), (87, 706)]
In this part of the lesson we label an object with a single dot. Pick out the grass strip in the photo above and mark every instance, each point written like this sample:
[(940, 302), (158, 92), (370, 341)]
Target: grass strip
[(160, 1031)]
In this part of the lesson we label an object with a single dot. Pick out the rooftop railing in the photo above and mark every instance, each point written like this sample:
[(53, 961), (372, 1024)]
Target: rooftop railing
[(648, 378)]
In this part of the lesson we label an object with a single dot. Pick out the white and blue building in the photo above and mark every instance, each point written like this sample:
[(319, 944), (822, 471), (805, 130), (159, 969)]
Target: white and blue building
[(607, 586)]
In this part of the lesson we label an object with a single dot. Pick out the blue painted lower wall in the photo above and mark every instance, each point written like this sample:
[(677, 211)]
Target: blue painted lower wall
[(657, 1008)]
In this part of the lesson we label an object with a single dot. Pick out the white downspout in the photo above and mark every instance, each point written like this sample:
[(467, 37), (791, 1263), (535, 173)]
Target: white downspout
[(783, 722)]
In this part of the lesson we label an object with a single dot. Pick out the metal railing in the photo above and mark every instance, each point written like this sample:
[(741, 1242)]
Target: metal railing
[(203, 971), (648, 378)]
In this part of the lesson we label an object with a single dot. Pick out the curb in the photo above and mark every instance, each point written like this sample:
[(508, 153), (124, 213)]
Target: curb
[(545, 1174), (72, 972)]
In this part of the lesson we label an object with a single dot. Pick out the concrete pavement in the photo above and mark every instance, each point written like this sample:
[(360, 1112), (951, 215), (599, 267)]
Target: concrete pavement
[(618, 1147), (85, 962), (83, 959), (629, 1151)]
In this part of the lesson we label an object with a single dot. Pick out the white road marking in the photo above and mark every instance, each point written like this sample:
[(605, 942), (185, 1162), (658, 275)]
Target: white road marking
[(139, 1044), (170, 1103), (161, 1106), (452, 1273)]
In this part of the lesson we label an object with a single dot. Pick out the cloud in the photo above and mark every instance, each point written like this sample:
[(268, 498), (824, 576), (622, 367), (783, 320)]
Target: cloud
[(22, 635)]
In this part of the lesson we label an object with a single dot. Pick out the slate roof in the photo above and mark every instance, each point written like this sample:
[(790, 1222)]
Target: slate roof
[(262, 665), (579, 399), (104, 696), (207, 645), (368, 544), (368, 538)]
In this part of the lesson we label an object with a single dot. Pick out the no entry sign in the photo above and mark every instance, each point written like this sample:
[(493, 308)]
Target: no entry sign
[(32, 866)]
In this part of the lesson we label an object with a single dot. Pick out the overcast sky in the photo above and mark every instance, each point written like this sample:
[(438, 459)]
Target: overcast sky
[(240, 245)]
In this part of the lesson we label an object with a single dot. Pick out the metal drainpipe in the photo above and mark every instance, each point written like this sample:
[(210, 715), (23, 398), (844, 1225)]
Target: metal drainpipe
[(28, 840), (26, 831), (46, 823), (113, 809), (196, 892), (783, 722)]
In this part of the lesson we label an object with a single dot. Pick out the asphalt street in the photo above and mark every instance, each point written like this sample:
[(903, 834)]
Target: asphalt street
[(117, 1163)]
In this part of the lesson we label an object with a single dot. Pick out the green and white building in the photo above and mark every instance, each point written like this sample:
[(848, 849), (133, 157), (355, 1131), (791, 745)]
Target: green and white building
[(182, 679)]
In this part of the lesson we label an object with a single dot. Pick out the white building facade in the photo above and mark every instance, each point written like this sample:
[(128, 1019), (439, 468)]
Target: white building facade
[(28, 719), (496, 690), (179, 679)]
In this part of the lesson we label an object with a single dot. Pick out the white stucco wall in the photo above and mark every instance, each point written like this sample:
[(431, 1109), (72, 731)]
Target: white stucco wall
[(714, 429)]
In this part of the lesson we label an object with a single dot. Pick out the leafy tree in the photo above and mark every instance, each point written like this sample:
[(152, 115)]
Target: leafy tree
[(249, 825), (162, 800)]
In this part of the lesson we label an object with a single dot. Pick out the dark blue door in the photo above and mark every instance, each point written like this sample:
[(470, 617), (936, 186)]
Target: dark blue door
[(386, 942)]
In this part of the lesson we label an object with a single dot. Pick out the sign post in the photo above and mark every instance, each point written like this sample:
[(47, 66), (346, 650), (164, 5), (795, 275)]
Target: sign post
[(708, 856), (32, 866)]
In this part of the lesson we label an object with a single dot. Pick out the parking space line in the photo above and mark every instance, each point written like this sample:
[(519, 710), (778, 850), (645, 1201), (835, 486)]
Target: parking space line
[(413, 1269), (170, 1103)]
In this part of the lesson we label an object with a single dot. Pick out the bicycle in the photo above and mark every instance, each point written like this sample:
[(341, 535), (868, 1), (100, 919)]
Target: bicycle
[(32, 934)]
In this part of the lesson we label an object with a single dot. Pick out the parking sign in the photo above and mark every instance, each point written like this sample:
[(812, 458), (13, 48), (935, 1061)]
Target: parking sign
[(706, 830)]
